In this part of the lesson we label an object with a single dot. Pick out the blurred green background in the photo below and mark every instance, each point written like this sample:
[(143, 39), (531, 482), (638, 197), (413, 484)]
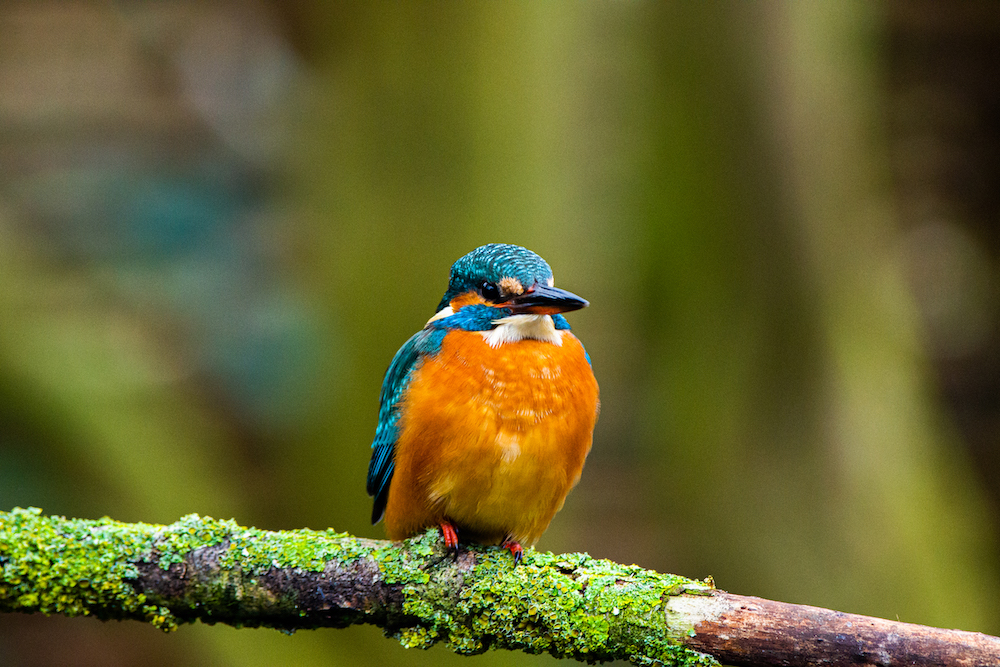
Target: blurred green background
[(219, 220)]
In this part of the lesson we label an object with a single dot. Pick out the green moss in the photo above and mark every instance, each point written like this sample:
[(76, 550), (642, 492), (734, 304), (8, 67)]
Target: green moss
[(190, 532), (74, 567), (256, 551), (569, 605), (80, 567)]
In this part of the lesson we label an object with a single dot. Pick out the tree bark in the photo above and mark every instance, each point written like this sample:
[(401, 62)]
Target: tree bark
[(569, 605), (752, 631)]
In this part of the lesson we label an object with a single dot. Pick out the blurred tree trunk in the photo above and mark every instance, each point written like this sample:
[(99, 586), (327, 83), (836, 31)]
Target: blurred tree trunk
[(943, 121), (788, 360)]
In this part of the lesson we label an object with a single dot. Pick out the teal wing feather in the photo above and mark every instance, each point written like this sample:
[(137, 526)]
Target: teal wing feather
[(397, 379)]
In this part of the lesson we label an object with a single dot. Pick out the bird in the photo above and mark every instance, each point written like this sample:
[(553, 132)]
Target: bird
[(486, 414)]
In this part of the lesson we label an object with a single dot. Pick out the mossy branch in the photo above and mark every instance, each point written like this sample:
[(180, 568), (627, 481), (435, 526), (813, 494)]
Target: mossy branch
[(568, 605)]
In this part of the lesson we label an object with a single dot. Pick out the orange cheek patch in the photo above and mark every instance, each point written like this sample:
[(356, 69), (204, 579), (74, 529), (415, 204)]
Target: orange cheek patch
[(467, 299)]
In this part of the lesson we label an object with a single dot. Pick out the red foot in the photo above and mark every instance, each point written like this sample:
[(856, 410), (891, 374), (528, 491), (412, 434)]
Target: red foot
[(516, 550), (450, 536)]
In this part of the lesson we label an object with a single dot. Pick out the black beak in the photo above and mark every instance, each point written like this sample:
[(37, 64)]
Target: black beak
[(544, 300)]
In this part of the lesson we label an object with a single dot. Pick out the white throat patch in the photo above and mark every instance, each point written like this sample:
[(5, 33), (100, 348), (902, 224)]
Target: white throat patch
[(518, 327), (441, 314)]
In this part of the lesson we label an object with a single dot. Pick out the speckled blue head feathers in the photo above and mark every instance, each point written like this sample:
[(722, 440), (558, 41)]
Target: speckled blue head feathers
[(492, 263)]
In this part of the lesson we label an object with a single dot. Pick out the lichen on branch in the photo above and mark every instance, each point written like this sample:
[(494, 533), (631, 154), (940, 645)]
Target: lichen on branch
[(199, 568)]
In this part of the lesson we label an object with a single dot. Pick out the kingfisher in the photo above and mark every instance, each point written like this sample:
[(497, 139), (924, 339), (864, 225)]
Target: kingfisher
[(487, 413)]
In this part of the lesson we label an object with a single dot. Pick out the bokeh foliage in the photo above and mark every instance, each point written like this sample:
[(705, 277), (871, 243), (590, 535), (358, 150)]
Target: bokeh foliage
[(218, 222)]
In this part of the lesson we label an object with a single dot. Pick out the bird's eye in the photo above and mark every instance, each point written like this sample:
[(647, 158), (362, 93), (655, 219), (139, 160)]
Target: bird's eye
[(490, 292)]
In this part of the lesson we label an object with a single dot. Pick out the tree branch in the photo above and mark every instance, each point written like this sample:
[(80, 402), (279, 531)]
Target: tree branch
[(568, 605)]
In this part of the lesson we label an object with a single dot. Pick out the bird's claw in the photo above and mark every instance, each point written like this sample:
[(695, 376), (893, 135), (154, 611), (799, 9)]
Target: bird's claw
[(516, 550), (450, 536)]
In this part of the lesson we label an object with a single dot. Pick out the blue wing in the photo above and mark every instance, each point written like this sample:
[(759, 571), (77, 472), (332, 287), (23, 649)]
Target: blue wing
[(397, 379), (383, 446)]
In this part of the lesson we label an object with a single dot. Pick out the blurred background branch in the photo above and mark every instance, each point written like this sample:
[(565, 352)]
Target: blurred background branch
[(218, 221)]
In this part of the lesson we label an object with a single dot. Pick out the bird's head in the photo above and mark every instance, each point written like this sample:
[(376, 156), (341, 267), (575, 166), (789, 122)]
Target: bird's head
[(509, 277)]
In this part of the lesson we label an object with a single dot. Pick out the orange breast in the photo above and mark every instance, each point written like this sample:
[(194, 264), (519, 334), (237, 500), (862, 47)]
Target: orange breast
[(492, 439)]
